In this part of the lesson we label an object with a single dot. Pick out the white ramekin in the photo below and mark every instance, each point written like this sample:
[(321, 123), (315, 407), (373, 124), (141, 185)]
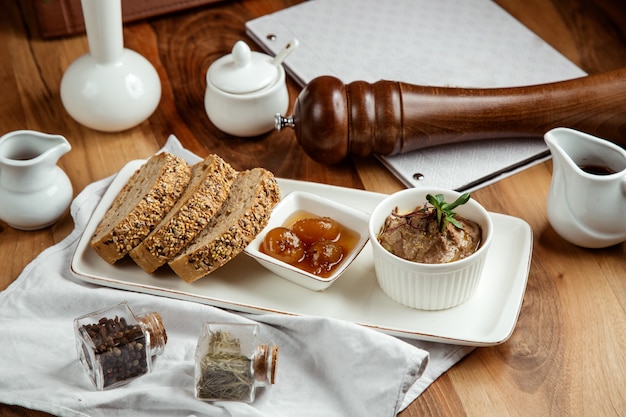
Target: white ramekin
[(428, 286)]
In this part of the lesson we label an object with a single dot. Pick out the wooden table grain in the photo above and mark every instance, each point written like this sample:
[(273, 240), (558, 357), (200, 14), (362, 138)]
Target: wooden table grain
[(566, 355)]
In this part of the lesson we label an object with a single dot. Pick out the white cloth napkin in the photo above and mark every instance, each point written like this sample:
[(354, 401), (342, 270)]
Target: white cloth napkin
[(326, 367)]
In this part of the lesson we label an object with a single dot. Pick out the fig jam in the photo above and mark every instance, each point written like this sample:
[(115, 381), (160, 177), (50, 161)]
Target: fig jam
[(312, 243)]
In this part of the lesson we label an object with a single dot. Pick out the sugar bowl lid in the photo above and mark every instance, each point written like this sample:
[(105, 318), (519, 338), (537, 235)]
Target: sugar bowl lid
[(243, 71)]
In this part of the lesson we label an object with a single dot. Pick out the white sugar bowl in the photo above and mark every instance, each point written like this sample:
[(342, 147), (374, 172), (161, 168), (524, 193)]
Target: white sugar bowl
[(245, 90)]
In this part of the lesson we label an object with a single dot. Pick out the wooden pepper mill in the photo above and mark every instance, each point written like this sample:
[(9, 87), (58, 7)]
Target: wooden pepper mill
[(333, 120)]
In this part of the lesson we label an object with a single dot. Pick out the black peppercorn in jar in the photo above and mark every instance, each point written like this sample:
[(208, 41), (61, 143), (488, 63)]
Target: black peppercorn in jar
[(231, 364), (115, 345)]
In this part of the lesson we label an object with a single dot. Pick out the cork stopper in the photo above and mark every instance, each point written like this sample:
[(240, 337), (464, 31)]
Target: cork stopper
[(155, 328), (265, 362), (273, 365)]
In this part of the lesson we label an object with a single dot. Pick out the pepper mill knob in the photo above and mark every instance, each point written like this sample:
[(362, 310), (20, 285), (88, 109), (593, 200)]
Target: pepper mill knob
[(333, 120), (282, 121)]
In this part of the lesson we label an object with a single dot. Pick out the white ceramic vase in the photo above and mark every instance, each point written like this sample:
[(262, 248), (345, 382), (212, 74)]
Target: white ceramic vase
[(111, 88)]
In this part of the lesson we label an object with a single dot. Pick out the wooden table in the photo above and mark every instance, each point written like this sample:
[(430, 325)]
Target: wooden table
[(566, 355)]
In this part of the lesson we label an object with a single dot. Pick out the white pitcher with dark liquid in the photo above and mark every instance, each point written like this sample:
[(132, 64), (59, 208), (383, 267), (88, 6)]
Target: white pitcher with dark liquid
[(34, 191), (587, 199)]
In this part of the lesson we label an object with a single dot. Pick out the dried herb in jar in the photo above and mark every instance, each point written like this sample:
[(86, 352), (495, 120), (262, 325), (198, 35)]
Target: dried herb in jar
[(229, 368)]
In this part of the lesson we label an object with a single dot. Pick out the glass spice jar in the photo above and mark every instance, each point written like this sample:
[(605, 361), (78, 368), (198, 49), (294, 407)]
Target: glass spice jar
[(231, 364), (115, 345)]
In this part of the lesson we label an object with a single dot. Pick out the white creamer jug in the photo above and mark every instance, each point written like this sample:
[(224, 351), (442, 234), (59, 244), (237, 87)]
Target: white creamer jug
[(587, 199), (34, 191)]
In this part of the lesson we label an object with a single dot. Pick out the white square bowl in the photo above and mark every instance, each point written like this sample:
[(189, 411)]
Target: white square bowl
[(295, 201)]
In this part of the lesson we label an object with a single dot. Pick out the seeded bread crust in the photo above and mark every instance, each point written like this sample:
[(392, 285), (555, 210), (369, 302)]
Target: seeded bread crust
[(144, 200), (209, 187), (245, 213)]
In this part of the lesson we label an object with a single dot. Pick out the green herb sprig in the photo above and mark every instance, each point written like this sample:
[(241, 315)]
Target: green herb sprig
[(444, 211)]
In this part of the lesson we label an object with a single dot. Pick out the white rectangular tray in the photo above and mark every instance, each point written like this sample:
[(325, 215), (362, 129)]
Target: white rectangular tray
[(488, 318)]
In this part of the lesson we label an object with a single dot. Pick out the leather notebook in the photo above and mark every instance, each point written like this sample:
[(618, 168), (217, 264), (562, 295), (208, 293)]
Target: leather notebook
[(57, 18)]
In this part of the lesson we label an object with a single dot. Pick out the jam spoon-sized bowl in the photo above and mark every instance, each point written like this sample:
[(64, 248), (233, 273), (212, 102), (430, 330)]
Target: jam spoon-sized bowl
[(299, 201)]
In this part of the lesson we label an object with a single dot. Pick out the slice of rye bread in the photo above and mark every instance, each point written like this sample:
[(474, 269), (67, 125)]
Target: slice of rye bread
[(145, 199), (245, 213), (208, 189)]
